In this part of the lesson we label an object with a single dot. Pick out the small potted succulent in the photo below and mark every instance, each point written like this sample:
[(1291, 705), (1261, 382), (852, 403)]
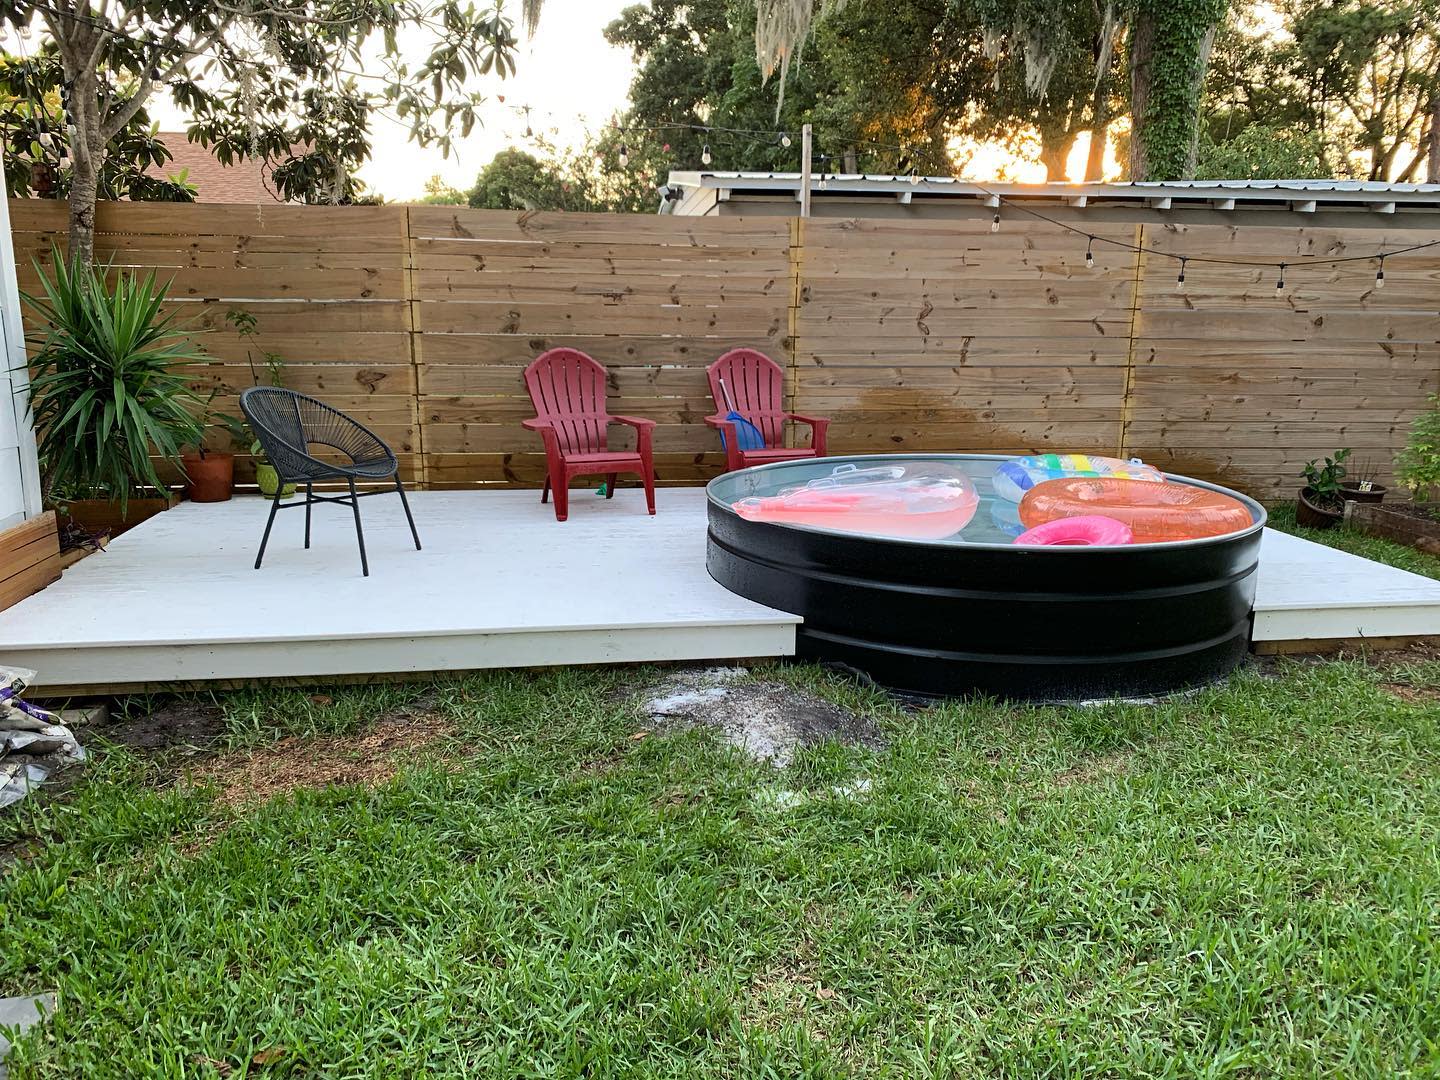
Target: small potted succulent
[(1321, 504)]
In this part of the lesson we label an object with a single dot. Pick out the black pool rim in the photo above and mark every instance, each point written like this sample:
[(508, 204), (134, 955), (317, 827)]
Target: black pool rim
[(943, 618)]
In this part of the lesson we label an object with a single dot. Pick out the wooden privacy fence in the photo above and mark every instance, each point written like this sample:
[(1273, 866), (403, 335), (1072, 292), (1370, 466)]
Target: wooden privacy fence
[(912, 335)]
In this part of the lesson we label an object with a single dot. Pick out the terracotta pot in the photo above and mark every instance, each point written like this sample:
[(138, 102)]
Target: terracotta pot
[(1352, 493), (210, 478), (1315, 517), (268, 480)]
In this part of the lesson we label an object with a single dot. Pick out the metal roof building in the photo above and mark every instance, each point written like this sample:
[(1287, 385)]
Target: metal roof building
[(1253, 202)]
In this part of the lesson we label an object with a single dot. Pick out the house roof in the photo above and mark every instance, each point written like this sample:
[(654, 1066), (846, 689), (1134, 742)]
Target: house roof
[(1303, 196), (243, 182)]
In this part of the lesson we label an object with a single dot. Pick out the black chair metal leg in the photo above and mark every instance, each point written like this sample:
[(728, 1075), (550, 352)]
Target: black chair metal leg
[(408, 516), (309, 502), (274, 506), (359, 532)]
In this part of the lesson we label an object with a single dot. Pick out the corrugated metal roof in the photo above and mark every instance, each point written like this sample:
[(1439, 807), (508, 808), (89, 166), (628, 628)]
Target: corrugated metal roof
[(1301, 195)]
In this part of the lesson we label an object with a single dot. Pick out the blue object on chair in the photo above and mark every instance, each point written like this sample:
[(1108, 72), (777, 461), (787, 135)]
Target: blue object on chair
[(746, 434)]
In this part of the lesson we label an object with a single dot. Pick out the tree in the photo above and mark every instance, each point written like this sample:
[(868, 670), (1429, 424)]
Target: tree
[(274, 79), (1374, 66), (37, 154), (439, 193), (1168, 48)]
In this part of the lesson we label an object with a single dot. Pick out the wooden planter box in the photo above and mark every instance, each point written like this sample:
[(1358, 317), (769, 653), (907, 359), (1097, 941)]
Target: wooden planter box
[(101, 515), (1380, 520), (29, 558)]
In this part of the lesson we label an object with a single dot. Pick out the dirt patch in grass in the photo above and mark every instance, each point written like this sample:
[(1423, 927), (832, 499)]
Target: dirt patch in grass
[(370, 757), (187, 726), (1411, 694), (770, 721), (1092, 770)]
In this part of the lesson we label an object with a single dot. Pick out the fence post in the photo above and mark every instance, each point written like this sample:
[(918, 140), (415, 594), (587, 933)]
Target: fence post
[(1127, 392), (412, 334)]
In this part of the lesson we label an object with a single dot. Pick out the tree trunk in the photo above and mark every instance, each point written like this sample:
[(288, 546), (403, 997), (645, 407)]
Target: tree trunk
[(1175, 40), (1099, 128), (1142, 63), (1432, 160), (84, 185), (1054, 155)]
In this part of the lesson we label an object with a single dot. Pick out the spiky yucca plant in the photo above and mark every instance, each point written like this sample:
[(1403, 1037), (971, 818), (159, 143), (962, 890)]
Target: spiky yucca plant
[(104, 387)]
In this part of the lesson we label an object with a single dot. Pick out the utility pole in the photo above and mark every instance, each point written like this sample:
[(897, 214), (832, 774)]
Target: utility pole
[(806, 149)]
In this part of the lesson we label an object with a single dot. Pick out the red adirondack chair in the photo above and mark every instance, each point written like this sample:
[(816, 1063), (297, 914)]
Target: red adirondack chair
[(755, 388), (567, 389)]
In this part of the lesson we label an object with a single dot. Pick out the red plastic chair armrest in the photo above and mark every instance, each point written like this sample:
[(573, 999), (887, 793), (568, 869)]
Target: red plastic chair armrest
[(632, 421), (813, 421)]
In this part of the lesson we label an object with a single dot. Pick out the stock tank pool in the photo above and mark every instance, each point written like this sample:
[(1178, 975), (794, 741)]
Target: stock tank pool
[(904, 567)]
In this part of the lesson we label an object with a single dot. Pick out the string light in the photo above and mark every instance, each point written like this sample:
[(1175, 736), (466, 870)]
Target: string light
[(1380, 274), (785, 138), (1180, 281), (1089, 253), (995, 222), (1280, 281), (623, 156), (705, 157)]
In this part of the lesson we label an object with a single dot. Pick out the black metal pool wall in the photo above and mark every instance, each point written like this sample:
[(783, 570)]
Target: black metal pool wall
[(1032, 623)]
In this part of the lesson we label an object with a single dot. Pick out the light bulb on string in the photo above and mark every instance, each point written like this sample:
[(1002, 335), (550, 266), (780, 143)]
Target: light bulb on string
[(995, 222), (1380, 274), (623, 156), (1280, 281), (705, 157), (1089, 253), (785, 138), (1180, 280)]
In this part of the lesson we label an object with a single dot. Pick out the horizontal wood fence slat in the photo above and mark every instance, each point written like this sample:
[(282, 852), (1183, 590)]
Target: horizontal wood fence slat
[(925, 335)]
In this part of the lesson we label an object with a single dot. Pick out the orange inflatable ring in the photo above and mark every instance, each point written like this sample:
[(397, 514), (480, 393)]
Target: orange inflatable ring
[(1090, 530), (1154, 512)]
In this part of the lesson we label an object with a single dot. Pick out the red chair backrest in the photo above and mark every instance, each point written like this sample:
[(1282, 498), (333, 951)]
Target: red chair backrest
[(568, 389), (756, 386)]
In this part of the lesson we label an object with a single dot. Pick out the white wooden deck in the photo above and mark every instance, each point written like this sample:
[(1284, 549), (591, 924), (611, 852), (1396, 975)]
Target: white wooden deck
[(502, 584), (1309, 592)]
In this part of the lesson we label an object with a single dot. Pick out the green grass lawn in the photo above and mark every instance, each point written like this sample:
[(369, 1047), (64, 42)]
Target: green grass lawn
[(1243, 882)]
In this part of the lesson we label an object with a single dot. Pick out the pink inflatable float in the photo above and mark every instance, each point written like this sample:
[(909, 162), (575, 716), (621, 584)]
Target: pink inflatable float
[(925, 501), (1088, 531)]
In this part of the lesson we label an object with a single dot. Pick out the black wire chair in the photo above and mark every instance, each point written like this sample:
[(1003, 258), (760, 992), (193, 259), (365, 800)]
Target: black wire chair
[(288, 425)]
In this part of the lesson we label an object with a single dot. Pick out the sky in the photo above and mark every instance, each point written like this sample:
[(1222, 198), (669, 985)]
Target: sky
[(571, 78)]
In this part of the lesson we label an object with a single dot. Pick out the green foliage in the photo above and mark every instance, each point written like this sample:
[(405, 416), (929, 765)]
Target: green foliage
[(1170, 45), (36, 147), (1260, 152), (439, 193), (1325, 481), (105, 389), (517, 180), (1417, 467)]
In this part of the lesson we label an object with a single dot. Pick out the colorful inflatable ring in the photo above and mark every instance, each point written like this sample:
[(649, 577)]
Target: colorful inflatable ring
[(1015, 477), (1092, 530), (1154, 512)]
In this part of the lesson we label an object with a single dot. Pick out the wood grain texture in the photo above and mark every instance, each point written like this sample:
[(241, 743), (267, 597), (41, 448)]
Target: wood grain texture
[(29, 558), (921, 335)]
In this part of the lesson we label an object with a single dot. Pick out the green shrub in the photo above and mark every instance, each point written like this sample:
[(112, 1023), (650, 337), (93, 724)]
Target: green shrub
[(104, 388), (1417, 467)]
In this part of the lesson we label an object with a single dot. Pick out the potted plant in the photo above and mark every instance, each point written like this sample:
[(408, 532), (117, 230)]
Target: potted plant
[(244, 322), (1321, 504), (1361, 486), (109, 403), (266, 478), (210, 474)]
